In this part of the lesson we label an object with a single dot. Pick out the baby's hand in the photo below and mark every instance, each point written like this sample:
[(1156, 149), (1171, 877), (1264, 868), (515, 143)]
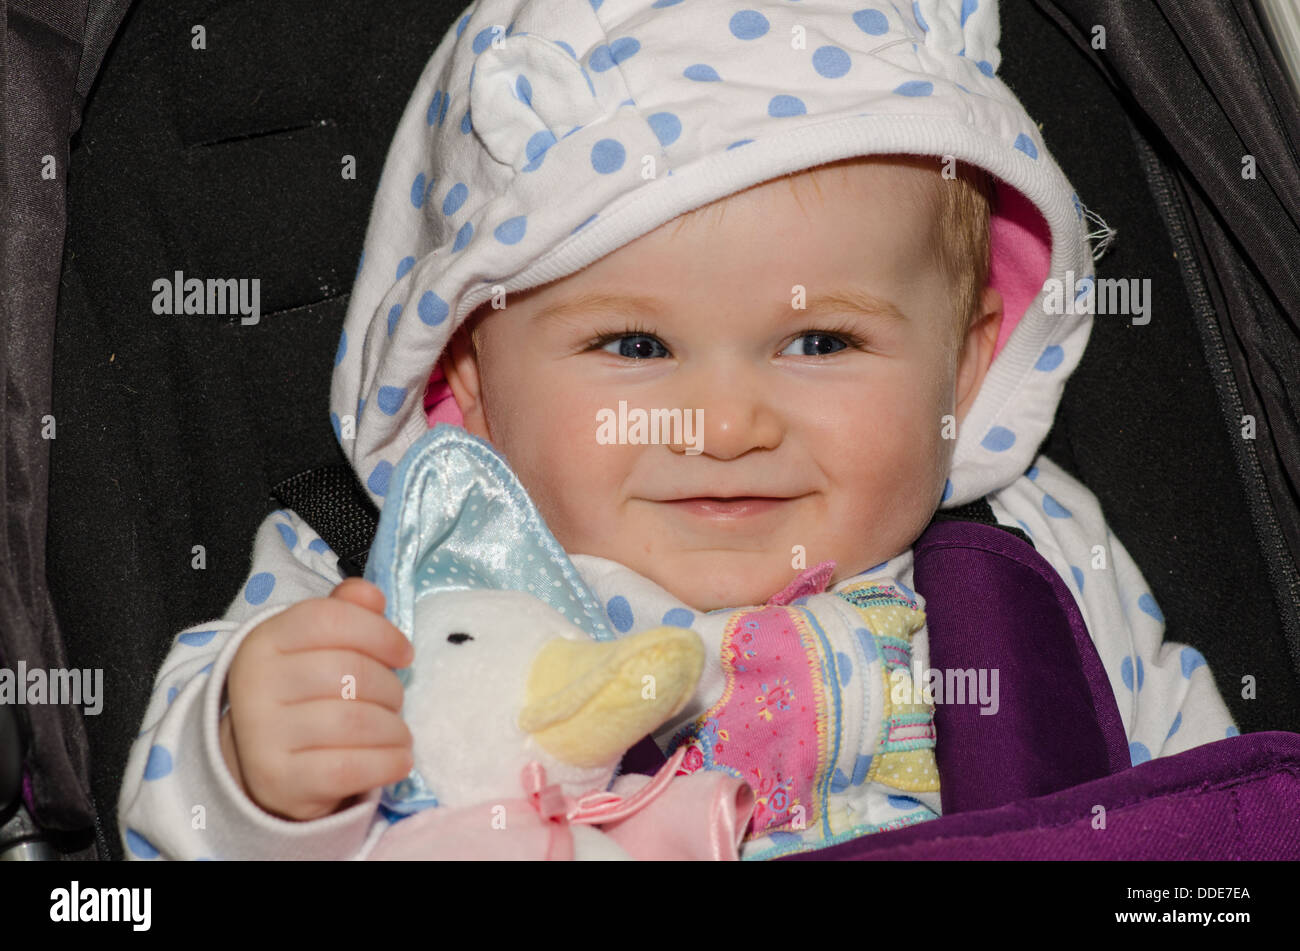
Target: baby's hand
[(315, 707)]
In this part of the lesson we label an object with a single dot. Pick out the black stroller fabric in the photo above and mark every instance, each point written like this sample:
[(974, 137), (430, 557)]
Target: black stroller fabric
[(230, 160)]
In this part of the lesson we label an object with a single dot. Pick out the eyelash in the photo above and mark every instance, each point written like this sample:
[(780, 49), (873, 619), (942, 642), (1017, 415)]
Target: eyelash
[(842, 330)]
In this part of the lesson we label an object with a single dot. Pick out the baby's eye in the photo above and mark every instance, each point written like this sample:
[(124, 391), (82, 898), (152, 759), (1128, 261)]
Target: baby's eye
[(818, 344), (634, 346)]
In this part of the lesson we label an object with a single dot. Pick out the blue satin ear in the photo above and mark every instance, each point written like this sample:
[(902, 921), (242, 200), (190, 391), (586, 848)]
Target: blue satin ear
[(455, 518)]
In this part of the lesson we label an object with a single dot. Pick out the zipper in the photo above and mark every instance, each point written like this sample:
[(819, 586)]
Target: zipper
[(1282, 574)]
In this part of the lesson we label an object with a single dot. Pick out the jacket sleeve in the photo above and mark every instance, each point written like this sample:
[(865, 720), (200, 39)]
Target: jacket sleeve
[(1165, 691), (178, 799)]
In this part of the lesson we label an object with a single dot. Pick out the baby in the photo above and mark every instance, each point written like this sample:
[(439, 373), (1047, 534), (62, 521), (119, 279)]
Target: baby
[(830, 229)]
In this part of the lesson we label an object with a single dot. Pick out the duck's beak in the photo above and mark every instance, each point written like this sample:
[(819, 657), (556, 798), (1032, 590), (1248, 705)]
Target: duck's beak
[(588, 701)]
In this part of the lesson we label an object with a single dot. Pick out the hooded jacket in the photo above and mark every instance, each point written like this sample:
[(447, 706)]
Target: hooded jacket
[(519, 160)]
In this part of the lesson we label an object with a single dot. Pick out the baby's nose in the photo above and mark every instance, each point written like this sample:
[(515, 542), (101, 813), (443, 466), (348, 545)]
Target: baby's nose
[(730, 416)]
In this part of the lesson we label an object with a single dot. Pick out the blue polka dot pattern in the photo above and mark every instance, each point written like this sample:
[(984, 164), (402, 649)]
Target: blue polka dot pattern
[(511, 231), (967, 8), (1147, 605), (456, 196), (196, 638), (483, 39), (318, 545), (1078, 577), (1178, 721), (379, 476), (868, 644), (831, 62), (343, 348), (915, 87), (1190, 659), (679, 617), (1051, 359), (1054, 508), (259, 587), (607, 57), (390, 399), (947, 490), (1025, 144), (872, 22), (1138, 753), (748, 25), (607, 156), (666, 127), (985, 67), (784, 105), (903, 802), (405, 265), (920, 20), (288, 535), (139, 846), (702, 73), (432, 309), (159, 763), (394, 313), (536, 148), (1230, 732), (417, 190), (462, 236), (998, 439), (620, 613)]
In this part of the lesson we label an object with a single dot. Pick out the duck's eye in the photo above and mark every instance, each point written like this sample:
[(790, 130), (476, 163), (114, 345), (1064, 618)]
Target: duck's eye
[(459, 638)]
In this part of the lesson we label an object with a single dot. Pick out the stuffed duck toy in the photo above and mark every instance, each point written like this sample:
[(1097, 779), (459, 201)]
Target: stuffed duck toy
[(521, 700)]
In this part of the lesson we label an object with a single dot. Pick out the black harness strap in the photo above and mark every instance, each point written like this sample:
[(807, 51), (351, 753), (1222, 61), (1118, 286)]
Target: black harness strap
[(333, 502)]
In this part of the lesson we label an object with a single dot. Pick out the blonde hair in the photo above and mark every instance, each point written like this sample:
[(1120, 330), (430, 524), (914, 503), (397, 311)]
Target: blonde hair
[(961, 203)]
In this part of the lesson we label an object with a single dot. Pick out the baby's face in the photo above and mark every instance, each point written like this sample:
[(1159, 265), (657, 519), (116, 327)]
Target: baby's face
[(830, 416)]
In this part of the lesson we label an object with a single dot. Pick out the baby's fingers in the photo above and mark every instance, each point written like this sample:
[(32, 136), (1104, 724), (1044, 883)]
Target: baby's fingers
[(338, 675), (339, 624), (338, 724), (328, 776)]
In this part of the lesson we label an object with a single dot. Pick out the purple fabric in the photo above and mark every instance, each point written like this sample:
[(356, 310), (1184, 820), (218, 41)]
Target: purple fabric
[(993, 603), (1238, 798), (643, 758)]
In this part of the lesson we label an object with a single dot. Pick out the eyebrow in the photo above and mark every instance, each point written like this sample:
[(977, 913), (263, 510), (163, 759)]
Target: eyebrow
[(854, 300), (585, 303), (848, 299)]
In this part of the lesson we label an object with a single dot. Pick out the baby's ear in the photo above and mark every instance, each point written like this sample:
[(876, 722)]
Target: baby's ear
[(977, 351), (459, 362)]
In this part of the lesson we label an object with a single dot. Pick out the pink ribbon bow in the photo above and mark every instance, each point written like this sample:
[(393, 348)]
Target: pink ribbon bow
[(593, 808)]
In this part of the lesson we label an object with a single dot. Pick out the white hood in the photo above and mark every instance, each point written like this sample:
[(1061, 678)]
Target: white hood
[(519, 161)]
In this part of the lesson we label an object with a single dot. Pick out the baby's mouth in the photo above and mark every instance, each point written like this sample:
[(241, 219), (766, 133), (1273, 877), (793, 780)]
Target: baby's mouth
[(740, 506)]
